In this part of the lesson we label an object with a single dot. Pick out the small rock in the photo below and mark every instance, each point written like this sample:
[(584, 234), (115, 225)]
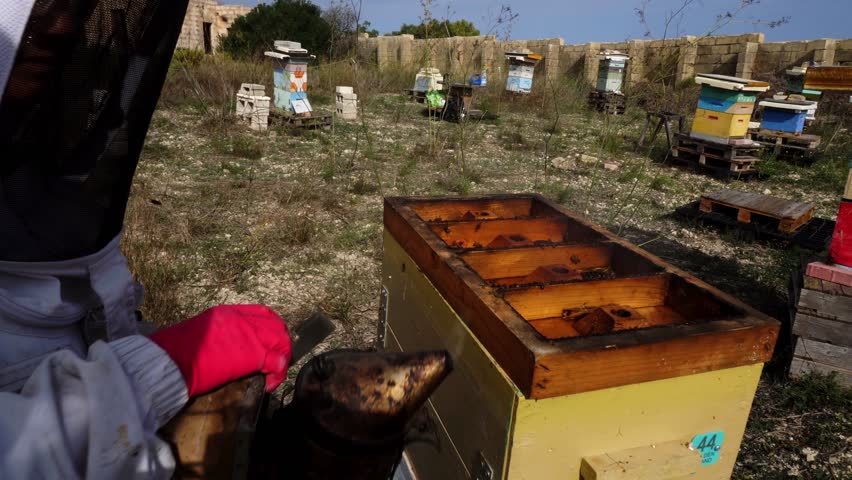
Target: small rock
[(562, 163), (587, 158), (810, 454), (610, 166), (767, 192)]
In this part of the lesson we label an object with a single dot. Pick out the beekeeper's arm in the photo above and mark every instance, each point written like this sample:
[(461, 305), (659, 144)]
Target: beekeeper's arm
[(94, 417), (97, 417)]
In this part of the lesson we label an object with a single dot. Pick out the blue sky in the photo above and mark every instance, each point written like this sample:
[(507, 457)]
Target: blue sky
[(615, 20)]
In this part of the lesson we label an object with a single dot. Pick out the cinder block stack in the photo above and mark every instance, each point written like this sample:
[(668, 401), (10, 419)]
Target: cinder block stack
[(347, 103), (253, 106)]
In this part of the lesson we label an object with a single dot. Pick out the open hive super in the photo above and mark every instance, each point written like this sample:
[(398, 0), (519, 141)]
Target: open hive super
[(566, 307)]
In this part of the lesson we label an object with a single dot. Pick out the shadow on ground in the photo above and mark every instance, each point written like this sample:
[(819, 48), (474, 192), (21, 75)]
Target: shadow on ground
[(730, 277)]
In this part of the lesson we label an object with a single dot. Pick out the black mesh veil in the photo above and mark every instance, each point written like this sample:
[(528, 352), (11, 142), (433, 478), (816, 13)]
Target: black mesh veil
[(73, 118)]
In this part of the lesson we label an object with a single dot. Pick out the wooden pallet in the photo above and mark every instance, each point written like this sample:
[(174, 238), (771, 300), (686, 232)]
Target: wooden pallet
[(722, 158), (608, 102), (788, 214), (295, 121), (707, 148), (823, 324), (785, 144), (814, 235)]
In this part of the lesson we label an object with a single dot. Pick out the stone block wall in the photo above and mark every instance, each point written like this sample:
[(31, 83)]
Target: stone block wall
[(220, 18), (843, 52), (670, 60)]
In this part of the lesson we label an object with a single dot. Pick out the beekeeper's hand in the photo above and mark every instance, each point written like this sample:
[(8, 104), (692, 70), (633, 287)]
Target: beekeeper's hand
[(226, 343)]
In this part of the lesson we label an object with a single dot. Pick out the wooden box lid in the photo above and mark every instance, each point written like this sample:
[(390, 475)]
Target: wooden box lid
[(563, 305)]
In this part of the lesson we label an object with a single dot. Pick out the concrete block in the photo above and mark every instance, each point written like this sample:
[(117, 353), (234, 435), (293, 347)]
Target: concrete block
[(772, 47), (249, 105), (252, 89), (343, 90), (751, 37), (258, 122), (794, 47), (817, 44), (704, 68), (344, 115), (720, 50), (706, 49), (346, 96)]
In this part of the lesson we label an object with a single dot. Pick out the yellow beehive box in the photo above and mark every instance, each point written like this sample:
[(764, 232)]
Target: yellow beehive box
[(719, 126), (538, 397)]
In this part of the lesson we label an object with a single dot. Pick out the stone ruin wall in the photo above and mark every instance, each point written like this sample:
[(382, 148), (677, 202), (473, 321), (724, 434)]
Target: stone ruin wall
[(220, 18), (672, 60)]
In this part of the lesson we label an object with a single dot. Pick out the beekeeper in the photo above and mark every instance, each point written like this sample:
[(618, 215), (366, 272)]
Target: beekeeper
[(82, 394)]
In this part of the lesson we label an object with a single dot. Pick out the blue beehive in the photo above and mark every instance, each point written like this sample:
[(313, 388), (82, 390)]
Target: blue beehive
[(784, 115)]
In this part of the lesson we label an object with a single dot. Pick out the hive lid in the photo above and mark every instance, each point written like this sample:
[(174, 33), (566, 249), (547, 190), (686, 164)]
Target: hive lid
[(612, 55), (797, 105), (565, 306), (796, 71), (731, 83), (523, 56), (829, 78)]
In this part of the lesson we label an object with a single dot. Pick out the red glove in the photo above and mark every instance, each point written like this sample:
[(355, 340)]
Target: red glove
[(226, 343)]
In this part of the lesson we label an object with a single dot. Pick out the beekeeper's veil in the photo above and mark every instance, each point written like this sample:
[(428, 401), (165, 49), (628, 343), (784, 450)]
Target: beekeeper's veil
[(79, 82)]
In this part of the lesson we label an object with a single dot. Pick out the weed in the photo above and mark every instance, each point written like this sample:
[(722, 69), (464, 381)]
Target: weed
[(814, 391), (161, 123), (632, 174), (662, 183), (407, 168), (512, 139), (770, 166), (246, 147), (354, 236), (187, 57), (233, 168), (291, 230), (328, 171), (363, 187), (610, 142), (560, 193), (155, 151)]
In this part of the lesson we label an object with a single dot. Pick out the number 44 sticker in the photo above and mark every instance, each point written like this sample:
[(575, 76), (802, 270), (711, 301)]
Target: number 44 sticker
[(709, 445)]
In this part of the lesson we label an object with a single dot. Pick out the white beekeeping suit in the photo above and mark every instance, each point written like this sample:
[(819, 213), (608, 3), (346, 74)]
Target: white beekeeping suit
[(81, 394)]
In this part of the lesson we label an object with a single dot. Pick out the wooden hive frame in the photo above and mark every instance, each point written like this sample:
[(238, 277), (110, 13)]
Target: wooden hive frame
[(522, 271)]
